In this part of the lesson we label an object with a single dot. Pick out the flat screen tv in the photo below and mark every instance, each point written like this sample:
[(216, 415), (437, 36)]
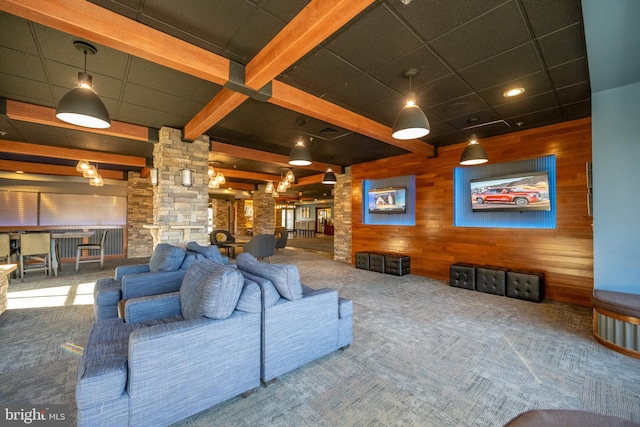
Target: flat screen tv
[(390, 200), (521, 192)]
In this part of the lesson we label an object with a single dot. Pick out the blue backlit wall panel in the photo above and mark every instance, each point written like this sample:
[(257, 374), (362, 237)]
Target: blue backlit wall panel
[(408, 218), (463, 216)]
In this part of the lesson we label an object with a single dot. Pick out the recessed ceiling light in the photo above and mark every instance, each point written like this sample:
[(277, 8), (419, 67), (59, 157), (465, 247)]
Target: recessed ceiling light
[(19, 171), (513, 92)]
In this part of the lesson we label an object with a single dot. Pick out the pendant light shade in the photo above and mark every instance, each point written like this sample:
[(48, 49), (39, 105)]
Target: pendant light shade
[(329, 177), (411, 122), (300, 155), (213, 183), (269, 187), (82, 166), (290, 176), (474, 154), (81, 106)]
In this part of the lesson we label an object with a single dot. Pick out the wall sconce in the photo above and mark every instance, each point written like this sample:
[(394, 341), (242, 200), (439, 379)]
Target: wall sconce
[(186, 177), (154, 176)]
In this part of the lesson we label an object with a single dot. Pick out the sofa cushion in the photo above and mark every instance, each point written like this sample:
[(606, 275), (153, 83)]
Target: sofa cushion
[(166, 257), (284, 277), (269, 293), (250, 298), (209, 252), (210, 289)]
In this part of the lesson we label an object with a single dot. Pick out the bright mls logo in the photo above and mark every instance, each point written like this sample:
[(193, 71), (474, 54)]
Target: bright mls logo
[(36, 415)]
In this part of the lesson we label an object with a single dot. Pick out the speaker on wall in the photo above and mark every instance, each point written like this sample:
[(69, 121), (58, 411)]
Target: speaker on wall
[(589, 188)]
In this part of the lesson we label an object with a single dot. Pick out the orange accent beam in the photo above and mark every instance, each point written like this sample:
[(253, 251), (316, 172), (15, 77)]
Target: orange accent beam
[(43, 169), (234, 173), (311, 179), (317, 21), (47, 116), (243, 186), (69, 154), (264, 156), (88, 21), (222, 104), (294, 99)]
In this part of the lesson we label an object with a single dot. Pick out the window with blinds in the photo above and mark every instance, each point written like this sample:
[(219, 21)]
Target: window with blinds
[(18, 208)]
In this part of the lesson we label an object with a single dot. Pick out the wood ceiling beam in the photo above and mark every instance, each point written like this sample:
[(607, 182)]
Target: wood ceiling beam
[(243, 186), (44, 169), (47, 116), (234, 173), (27, 149), (222, 104), (317, 21), (265, 157), (91, 22), (297, 100)]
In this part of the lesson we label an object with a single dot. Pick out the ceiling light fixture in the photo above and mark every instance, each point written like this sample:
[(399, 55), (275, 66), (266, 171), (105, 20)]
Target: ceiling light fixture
[(411, 122), (513, 92), (290, 176), (329, 177), (82, 165), (269, 187), (300, 155), (474, 154), (81, 106)]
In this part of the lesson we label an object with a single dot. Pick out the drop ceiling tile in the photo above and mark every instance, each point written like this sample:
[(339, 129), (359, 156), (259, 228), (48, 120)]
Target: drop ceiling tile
[(574, 93), (161, 101), (540, 102), (536, 119), (16, 34), (563, 46), (436, 17), (487, 36), (159, 78), (465, 106), (571, 73), (533, 84), (321, 72), (361, 92), (22, 65), (441, 90), (58, 47), (375, 39), (429, 67), (577, 110), (145, 116), (547, 16), (25, 90), (506, 67)]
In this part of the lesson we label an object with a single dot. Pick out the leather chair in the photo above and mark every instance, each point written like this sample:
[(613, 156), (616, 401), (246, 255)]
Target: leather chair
[(92, 247), (261, 246)]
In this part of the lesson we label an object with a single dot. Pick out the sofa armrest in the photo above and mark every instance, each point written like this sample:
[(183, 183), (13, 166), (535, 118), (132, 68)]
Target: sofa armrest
[(217, 359), (143, 284), (131, 269), (152, 307)]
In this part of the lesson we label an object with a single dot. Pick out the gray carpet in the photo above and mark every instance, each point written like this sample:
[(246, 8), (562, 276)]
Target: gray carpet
[(424, 354)]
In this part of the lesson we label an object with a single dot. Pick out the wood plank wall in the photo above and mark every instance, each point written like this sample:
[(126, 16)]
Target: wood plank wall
[(564, 254)]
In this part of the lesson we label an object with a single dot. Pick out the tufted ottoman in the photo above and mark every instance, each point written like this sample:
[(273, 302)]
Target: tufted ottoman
[(490, 280), (525, 285)]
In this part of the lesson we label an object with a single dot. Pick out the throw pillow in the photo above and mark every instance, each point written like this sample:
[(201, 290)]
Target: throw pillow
[(284, 277), (209, 252), (210, 289), (166, 257)]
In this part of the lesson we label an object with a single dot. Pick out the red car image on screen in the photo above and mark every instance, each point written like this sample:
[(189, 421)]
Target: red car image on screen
[(516, 196)]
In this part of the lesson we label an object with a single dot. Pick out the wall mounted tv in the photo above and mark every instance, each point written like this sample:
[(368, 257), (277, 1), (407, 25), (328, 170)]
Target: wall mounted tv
[(390, 200), (521, 192)]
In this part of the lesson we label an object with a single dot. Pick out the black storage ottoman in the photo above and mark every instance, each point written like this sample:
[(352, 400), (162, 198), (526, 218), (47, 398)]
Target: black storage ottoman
[(490, 280), (398, 265), (362, 260), (525, 285), (462, 276), (376, 262)]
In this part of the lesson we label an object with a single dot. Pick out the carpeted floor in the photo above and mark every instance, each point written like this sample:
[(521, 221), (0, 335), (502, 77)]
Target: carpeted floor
[(424, 354)]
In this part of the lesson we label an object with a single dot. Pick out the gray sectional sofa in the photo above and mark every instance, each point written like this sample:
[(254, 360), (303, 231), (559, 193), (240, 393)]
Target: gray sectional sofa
[(225, 329), (164, 273)]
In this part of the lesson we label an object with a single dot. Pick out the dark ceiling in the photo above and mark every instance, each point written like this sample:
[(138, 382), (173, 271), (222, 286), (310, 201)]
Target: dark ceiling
[(467, 54)]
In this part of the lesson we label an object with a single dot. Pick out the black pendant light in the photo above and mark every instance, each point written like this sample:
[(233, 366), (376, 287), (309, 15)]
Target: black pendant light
[(411, 122), (474, 154), (329, 177), (300, 155), (81, 106)]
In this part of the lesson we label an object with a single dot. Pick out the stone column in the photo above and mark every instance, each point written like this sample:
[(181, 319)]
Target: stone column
[(221, 214), (139, 213), (342, 217), (264, 207), (176, 206)]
